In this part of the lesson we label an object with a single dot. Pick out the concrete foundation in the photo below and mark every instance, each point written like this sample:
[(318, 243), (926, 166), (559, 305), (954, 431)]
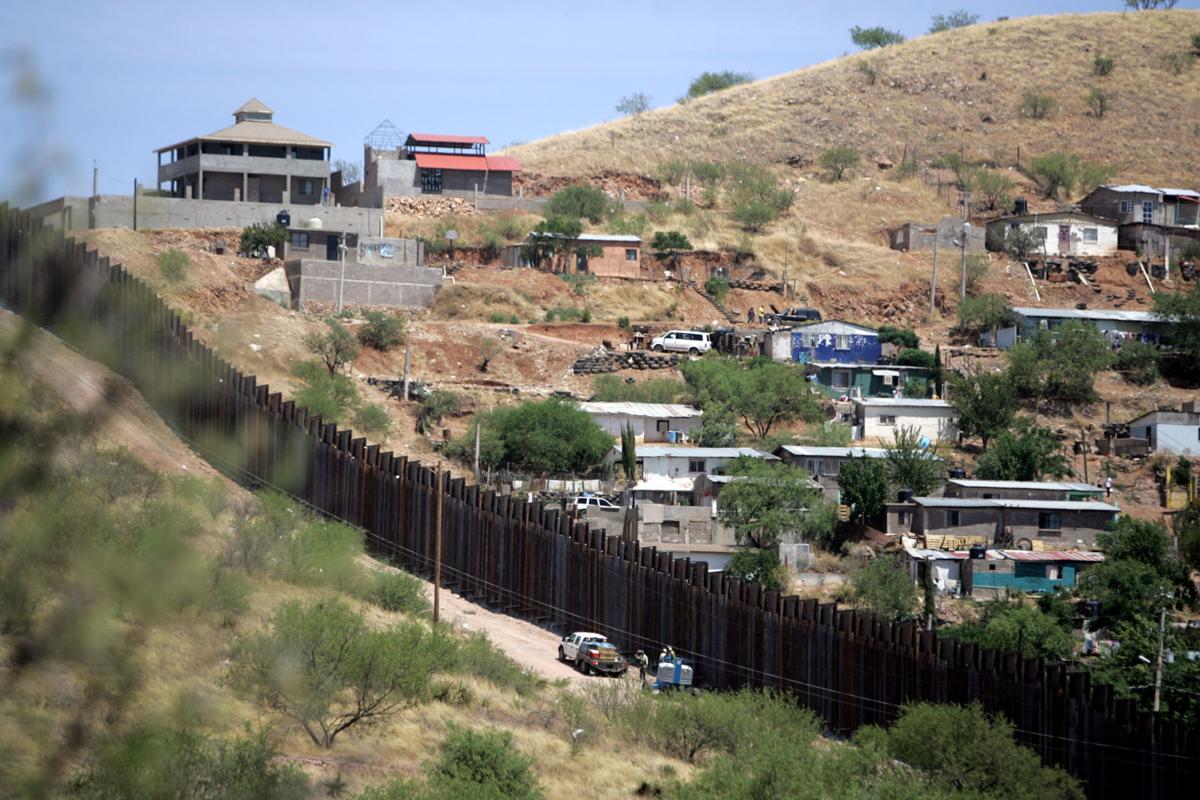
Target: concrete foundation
[(313, 281)]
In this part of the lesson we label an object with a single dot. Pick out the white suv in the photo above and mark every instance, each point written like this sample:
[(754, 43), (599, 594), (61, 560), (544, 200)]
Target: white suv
[(694, 342), (587, 502)]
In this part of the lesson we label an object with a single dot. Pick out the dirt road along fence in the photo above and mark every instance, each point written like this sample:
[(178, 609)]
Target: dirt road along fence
[(527, 560)]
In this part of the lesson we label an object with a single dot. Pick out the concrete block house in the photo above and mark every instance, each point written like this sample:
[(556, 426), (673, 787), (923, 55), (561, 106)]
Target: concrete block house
[(617, 256), (1169, 431), (1060, 233), (1067, 524), (879, 418), (253, 160)]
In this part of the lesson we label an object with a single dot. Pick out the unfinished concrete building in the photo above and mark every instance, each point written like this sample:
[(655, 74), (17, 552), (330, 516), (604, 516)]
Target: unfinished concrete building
[(253, 160)]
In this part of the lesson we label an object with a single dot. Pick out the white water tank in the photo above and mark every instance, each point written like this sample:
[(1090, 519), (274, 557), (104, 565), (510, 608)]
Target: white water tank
[(314, 224)]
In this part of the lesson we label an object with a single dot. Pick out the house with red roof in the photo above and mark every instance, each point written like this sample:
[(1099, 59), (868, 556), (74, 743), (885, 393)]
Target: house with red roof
[(428, 164)]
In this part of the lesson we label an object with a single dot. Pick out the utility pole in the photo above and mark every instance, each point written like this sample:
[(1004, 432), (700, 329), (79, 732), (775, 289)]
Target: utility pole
[(966, 198), (95, 180), (437, 546), (135, 204), (1162, 629), (933, 280), (407, 354), (476, 464), (341, 269), (786, 296)]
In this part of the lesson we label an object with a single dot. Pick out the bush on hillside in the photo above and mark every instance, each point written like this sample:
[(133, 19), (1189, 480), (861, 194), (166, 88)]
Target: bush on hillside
[(1102, 65), (1138, 363), (839, 159), (901, 337), (1037, 105), (959, 18), (372, 418), (871, 38), (172, 265), (912, 357), (580, 201), (717, 287), (258, 237), (634, 104), (709, 82), (381, 331)]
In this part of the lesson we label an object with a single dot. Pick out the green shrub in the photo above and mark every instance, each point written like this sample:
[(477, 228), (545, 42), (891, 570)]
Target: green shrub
[(172, 265), (1178, 62), (871, 38), (482, 764), (586, 316), (435, 406), (868, 70), (901, 337), (623, 323), (629, 224), (839, 159), (399, 592), (915, 358), (718, 288), (579, 282), (1036, 105), (955, 19), (322, 553), (258, 237), (326, 395), (1138, 363), (372, 418), (709, 82), (1102, 64), (497, 317), (564, 314), (453, 693), (474, 654), (579, 201), (381, 331)]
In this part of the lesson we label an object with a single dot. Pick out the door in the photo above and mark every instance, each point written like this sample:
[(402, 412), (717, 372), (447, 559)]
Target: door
[(331, 248), (1064, 240), (252, 189)]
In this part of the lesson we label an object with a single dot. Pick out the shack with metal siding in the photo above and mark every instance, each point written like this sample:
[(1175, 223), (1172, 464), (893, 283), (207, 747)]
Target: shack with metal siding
[(831, 341), (1021, 490), (652, 422), (1071, 523)]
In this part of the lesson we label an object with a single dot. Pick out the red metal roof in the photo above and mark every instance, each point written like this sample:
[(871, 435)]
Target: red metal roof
[(474, 163), (1052, 555), (445, 138)]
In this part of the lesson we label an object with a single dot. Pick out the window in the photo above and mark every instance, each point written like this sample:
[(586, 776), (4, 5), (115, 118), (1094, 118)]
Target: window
[(952, 518), (842, 342), (631, 254), (841, 378), (299, 240), (662, 425), (581, 262), (431, 181), (695, 465), (1050, 521), (306, 187), (887, 419), (1148, 212), (1126, 206), (813, 466), (1091, 235), (905, 517)]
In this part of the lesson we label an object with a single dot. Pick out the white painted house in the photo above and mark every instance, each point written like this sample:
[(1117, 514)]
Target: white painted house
[(689, 462), (652, 422), (1061, 233), (881, 417), (1175, 432)]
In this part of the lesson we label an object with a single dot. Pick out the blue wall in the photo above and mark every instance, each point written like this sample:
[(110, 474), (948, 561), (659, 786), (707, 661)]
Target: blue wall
[(819, 343)]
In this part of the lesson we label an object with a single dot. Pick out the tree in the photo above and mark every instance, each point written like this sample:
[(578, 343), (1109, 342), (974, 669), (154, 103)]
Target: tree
[(579, 201), (762, 392), (258, 237), (911, 466), (553, 240), (1024, 453), (1093, 175), (547, 436), (710, 82), (1036, 105), (1017, 628), (755, 195), (767, 502), (436, 406), (1098, 101), (349, 169), (336, 347), (955, 19), (757, 566), (885, 588), (629, 453), (838, 159), (966, 754), (1054, 172), (1180, 312), (994, 187), (321, 667), (1059, 365), (938, 374), (864, 487), (984, 312), (669, 244), (986, 404), (901, 337), (1023, 241), (718, 428), (910, 357), (1187, 531), (1126, 590), (870, 38), (634, 104), (381, 331), (1138, 363), (1143, 541)]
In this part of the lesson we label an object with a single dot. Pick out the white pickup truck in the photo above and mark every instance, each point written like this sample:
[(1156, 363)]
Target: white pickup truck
[(591, 652)]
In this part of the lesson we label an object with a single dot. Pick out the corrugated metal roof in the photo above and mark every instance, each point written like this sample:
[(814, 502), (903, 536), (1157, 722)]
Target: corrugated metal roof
[(832, 325), (1051, 555), (834, 452), (1053, 486), (1044, 505), (655, 451), (444, 138), (1181, 192), (252, 131), (1133, 188), (658, 410), (903, 402), (465, 162), (503, 164), (731, 478), (1050, 216), (1113, 314)]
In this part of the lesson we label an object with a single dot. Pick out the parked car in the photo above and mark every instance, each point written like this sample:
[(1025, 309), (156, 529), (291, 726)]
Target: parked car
[(694, 342), (591, 653), (591, 502), (794, 315)]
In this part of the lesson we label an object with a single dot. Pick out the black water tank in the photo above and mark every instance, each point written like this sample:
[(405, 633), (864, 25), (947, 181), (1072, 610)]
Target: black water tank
[(905, 495), (284, 218), (978, 551), (1020, 206), (958, 473)]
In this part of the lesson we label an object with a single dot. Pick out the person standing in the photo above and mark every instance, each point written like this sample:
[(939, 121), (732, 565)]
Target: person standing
[(1108, 486), (643, 662)]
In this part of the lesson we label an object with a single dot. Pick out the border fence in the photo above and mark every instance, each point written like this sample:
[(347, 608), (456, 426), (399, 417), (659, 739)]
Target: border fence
[(530, 561)]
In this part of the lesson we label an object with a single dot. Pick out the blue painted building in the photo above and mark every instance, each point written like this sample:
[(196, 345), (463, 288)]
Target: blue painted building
[(830, 341)]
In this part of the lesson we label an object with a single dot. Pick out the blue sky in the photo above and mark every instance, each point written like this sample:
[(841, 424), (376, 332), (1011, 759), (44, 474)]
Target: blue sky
[(123, 78)]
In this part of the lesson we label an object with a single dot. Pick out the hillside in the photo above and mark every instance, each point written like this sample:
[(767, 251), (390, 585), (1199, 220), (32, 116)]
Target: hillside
[(934, 94)]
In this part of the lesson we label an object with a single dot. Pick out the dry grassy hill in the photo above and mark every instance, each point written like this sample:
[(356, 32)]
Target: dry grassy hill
[(937, 93)]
